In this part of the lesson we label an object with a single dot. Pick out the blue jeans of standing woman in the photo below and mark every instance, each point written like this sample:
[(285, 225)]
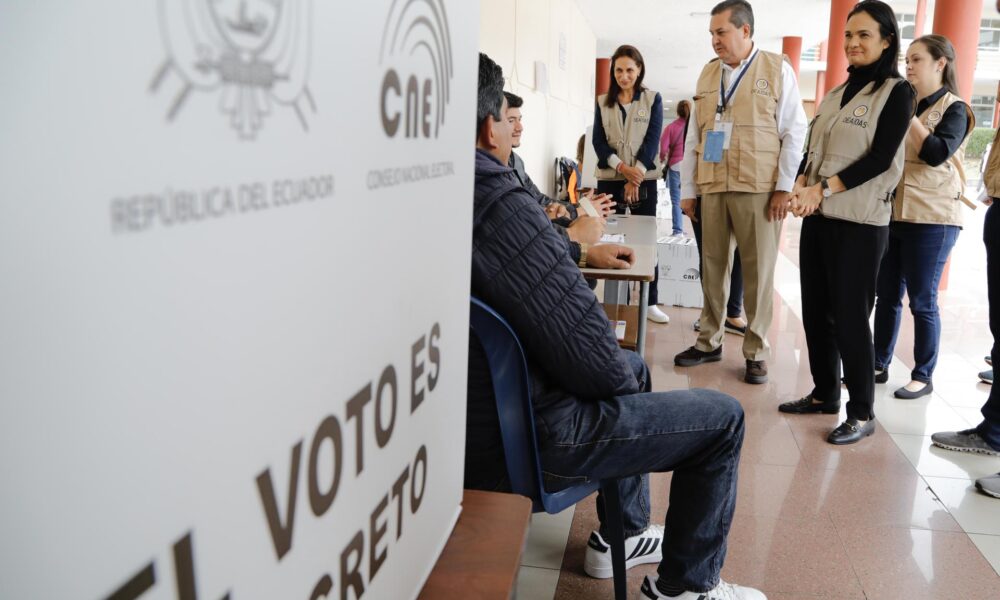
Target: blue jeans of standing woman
[(913, 263), (674, 186)]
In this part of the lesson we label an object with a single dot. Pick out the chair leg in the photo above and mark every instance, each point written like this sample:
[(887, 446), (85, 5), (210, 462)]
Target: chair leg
[(613, 516)]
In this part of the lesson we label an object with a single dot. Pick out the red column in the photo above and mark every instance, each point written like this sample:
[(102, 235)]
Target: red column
[(602, 76), (792, 48), (836, 61), (959, 22), (821, 76), (921, 17)]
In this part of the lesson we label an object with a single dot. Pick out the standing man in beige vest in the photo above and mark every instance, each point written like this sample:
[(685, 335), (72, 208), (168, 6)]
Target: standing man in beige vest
[(741, 155)]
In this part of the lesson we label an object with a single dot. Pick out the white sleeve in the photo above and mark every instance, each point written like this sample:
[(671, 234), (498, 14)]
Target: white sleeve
[(614, 161), (792, 127), (688, 187)]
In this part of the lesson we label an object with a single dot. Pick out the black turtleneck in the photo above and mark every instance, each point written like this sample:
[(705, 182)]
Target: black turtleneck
[(889, 131)]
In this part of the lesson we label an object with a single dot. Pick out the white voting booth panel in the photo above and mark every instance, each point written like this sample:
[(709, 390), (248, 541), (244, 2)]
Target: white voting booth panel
[(210, 386)]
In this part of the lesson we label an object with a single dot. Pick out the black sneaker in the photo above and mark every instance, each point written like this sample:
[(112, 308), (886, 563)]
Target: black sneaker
[(693, 356), (807, 406)]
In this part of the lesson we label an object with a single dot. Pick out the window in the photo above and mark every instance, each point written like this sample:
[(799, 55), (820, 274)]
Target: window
[(989, 35), (982, 107), (907, 25), (811, 54)]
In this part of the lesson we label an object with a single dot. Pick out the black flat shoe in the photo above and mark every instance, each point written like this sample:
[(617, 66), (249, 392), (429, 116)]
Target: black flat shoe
[(882, 377), (851, 431), (693, 356), (806, 406), (905, 394)]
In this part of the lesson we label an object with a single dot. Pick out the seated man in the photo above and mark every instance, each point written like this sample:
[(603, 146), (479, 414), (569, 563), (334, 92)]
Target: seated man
[(595, 415), (579, 229)]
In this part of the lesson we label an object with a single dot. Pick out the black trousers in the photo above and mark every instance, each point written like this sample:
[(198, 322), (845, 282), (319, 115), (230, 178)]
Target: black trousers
[(838, 268), (990, 427), (646, 207)]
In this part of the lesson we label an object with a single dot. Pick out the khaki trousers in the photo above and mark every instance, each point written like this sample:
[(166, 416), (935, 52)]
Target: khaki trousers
[(740, 218)]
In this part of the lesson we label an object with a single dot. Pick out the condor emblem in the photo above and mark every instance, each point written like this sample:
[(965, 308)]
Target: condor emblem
[(252, 55)]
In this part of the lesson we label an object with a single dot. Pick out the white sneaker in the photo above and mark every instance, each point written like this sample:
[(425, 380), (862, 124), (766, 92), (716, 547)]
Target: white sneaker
[(654, 314), (723, 591), (639, 549)]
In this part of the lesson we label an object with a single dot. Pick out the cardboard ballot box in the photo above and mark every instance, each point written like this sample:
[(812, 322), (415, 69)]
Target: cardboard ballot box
[(679, 274)]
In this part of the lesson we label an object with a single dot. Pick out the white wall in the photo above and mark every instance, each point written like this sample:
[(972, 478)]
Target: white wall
[(516, 34)]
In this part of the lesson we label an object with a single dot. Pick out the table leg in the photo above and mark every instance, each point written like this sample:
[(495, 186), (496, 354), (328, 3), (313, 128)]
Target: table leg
[(615, 292), (643, 306)]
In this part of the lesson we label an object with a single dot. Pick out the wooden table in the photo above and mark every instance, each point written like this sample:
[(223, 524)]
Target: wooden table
[(640, 235), (483, 553)]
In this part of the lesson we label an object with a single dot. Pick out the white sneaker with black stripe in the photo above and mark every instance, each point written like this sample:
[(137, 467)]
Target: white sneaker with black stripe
[(639, 550), (723, 591)]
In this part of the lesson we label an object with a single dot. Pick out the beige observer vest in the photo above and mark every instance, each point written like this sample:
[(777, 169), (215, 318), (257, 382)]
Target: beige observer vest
[(751, 163), (626, 139), (933, 195), (992, 174), (838, 137)]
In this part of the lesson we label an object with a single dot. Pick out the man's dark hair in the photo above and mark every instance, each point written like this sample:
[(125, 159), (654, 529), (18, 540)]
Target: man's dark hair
[(490, 97), (513, 100), (742, 12), (887, 64)]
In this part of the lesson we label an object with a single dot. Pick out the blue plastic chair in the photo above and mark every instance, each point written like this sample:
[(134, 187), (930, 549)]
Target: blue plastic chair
[(509, 371)]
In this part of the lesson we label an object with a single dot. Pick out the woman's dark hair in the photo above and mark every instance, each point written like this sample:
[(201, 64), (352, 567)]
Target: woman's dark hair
[(627, 52), (939, 47), (888, 64), (684, 110)]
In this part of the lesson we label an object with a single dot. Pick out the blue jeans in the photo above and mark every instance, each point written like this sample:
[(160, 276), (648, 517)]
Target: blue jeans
[(990, 427), (913, 263), (674, 185), (696, 433)]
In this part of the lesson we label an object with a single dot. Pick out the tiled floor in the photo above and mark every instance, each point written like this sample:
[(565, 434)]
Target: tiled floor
[(889, 518)]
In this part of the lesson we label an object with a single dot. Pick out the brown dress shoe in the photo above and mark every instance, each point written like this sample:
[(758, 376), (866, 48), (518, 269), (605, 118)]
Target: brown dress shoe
[(756, 371)]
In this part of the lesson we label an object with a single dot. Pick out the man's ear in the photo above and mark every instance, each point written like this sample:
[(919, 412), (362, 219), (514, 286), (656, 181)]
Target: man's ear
[(487, 133)]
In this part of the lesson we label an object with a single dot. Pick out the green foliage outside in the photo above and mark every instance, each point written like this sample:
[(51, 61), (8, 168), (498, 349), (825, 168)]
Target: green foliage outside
[(981, 137)]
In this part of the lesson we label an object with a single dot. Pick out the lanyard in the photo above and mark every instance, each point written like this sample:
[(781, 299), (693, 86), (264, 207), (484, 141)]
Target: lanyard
[(724, 99)]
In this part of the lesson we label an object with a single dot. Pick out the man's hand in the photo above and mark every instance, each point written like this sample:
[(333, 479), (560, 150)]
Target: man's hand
[(603, 204), (806, 200), (610, 256), (779, 206), (586, 230), (688, 206), (555, 211)]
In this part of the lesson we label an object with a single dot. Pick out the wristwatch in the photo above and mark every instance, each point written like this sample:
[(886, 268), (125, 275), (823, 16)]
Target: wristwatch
[(827, 192)]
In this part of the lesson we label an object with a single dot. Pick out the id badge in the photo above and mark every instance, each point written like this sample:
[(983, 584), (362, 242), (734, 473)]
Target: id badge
[(714, 141), (726, 127)]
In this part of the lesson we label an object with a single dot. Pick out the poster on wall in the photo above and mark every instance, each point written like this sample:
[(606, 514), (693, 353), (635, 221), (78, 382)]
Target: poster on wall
[(235, 246)]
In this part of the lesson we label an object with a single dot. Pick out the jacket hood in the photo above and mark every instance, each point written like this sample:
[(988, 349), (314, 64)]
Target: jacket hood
[(488, 166)]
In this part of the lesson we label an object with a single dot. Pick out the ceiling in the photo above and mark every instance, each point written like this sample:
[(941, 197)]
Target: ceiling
[(673, 34)]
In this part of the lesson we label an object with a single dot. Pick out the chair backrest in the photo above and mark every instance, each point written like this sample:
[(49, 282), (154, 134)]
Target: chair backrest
[(512, 389)]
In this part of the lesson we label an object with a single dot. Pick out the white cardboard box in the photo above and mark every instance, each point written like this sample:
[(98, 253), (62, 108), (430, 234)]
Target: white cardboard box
[(679, 273)]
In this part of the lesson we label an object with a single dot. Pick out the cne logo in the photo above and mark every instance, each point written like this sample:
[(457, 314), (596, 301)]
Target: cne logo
[(416, 50), (861, 111), (252, 55)]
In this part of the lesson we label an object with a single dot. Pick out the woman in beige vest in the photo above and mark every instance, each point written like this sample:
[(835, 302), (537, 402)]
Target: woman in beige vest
[(627, 124), (926, 215), (853, 161)]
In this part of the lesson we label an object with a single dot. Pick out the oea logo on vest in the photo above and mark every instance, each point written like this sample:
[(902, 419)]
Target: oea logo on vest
[(934, 117), (857, 120), (761, 87), (641, 116), (416, 48), (250, 54)]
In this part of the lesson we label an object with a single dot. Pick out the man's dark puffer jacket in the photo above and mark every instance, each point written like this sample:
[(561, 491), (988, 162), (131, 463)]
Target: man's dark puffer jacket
[(522, 268)]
